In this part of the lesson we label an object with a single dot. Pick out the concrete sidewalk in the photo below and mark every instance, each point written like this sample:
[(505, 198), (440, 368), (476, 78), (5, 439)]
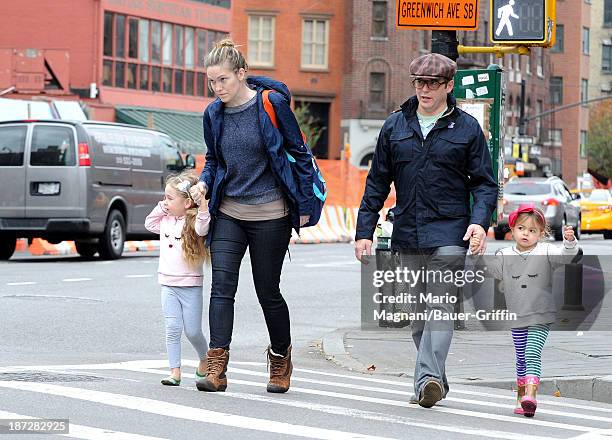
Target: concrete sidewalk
[(576, 364)]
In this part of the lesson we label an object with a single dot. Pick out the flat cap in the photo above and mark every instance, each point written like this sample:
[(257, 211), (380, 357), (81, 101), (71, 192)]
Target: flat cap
[(433, 65)]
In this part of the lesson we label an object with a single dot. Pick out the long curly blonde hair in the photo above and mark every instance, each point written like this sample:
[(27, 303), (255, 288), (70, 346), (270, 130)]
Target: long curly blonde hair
[(194, 249)]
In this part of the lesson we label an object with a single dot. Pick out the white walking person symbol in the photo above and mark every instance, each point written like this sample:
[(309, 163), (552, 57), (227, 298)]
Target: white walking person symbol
[(504, 13)]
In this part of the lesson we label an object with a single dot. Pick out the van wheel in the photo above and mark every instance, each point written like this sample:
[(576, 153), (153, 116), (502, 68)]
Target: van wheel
[(86, 250), (111, 243), (7, 247)]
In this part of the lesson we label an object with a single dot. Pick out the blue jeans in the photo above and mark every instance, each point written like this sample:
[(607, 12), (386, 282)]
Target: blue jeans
[(433, 338), (268, 241)]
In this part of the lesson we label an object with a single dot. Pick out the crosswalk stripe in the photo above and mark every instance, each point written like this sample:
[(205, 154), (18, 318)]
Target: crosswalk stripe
[(403, 404), (87, 432), (157, 363), (376, 416), (185, 412), (380, 390)]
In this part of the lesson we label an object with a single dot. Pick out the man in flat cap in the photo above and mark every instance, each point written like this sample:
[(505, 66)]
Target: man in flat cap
[(437, 157)]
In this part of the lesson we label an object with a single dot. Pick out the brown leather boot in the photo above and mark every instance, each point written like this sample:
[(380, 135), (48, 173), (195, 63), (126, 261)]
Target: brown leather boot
[(214, 378), (280, 371)]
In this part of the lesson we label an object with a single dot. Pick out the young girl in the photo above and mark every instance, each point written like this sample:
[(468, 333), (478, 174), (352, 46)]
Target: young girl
[(526, 271), (181, 226)]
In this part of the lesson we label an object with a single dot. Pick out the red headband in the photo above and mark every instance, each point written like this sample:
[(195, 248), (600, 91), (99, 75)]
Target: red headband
[(525, 209)]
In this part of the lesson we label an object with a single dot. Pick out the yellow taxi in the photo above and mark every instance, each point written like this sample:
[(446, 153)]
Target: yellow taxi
[(597, 213)]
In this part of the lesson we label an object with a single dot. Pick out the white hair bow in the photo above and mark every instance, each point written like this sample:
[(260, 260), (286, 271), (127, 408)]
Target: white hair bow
[(183, 186)]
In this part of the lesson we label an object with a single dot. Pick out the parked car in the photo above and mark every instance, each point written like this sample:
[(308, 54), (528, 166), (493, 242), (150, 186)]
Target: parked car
[(91, 182), (550, 194), (597, 213)]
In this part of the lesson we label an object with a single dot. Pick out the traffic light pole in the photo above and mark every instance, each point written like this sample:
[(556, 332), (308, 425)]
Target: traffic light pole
[(445, 43), (522, 110)]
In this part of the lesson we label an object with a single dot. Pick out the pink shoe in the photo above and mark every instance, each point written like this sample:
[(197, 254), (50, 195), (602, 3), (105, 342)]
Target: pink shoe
[(519, 411), (529, 405)]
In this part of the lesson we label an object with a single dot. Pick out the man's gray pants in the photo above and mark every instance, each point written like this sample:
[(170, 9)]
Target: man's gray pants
[(432, 338)]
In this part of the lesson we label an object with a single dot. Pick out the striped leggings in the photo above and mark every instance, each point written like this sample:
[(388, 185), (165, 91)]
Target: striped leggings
[(528, 344)]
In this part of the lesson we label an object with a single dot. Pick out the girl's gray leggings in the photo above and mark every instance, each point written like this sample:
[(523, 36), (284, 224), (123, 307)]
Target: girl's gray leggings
[(182, 308)]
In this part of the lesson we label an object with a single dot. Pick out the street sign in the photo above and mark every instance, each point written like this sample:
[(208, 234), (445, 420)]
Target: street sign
[(523, 21), (438, 14), (523, 139)]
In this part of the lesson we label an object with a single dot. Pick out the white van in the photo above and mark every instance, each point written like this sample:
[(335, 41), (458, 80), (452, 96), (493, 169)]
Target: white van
[(91, 182)]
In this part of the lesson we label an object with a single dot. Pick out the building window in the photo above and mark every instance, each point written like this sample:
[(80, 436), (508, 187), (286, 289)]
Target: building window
[(528, 64), (131, 75), (608, 13), (107, 73), (538, 121), (133, 38), (156, 41), (167, 43), (261, 40), (160, 56), (555, 135), (315, 36), (583, 144), (119, 74), (379, 19), (584, 90), (108, 34), (556, 90), (606, 57), (424, 41), (559, 38), (179, 46), (143, 40), (585, 40), (120, 36), (202, 47), (189, 48), (377, 91), (144, 77)]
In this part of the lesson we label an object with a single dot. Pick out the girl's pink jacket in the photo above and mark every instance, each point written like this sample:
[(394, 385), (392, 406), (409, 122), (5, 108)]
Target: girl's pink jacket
[(173, 269)]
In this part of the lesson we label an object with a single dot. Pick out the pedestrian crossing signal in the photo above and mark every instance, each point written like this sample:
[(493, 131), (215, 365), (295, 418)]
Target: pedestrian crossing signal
[(523, 22)]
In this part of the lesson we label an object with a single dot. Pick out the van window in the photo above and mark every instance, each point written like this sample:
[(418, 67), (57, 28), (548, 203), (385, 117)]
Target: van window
[(53, 146), (12, 144), (171, 158)]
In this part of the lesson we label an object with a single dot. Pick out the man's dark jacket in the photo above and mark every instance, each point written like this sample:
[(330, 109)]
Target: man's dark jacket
[(433, 179)]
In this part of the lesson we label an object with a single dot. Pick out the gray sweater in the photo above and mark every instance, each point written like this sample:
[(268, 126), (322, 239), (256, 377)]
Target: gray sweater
[(249, 176), (527, 280)]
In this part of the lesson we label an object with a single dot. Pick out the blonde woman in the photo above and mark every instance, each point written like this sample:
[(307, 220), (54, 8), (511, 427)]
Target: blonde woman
[(255, 201)]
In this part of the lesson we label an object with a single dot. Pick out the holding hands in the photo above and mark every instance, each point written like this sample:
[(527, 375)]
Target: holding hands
[(198, 194), (478, 239)]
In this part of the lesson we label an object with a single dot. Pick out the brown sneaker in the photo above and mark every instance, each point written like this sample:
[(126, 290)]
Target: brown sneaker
[(280, 371), (214, 378), (431, 394)]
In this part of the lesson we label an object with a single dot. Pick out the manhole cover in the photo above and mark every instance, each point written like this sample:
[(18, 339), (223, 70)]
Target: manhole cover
[(42, 376), (53, 297)]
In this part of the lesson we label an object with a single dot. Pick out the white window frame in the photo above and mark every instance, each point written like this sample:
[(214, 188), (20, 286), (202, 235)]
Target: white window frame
[(311, 65), (255, 52)]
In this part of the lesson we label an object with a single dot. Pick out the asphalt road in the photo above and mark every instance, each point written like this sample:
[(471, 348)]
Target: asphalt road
[(84, 340)]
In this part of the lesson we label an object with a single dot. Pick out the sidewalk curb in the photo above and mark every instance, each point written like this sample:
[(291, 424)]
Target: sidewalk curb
[(589, 388), (593, 388), (332, 346)]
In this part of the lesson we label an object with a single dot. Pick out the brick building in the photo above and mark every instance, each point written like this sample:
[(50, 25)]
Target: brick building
[(300, 43), (569, 84), (600, 77), (376, 79), (136, 61)]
